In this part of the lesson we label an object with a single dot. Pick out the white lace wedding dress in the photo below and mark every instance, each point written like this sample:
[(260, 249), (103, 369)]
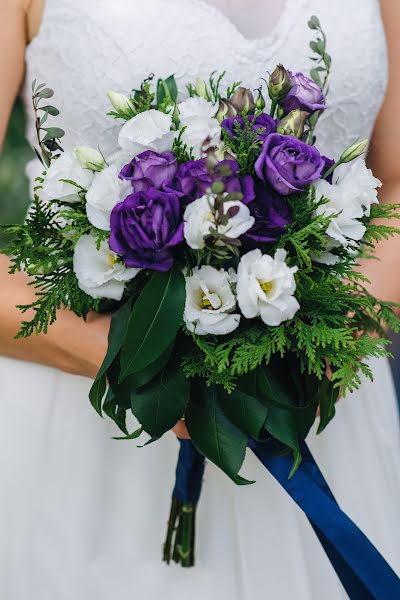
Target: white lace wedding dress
[(82, 516)]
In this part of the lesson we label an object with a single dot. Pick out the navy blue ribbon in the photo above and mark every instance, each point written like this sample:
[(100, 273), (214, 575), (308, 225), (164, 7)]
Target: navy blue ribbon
[(364, 573), (362, 570), (189, 473)]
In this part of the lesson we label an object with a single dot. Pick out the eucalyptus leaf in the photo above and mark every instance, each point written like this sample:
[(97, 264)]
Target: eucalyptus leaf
[(53, 133), (51, 110), (154, 322), (213, 434), (45, 93)]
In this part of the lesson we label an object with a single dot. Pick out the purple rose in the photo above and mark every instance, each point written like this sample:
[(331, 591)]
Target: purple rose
[(288, 164), (271, 214), (192, 181), (150, 169), (305, 94), (145, 227), (263, 122)]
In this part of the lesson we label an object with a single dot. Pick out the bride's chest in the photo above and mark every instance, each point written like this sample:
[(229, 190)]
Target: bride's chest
[(85, 48)]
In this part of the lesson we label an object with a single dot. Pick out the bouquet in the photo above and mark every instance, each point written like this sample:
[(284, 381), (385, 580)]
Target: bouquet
[(227, 247)]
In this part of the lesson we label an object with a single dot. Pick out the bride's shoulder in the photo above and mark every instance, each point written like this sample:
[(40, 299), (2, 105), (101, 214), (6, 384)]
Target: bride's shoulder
[(34, 11)]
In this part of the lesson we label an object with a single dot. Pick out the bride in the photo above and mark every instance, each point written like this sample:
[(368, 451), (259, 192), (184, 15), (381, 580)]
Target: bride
[(81, 516)]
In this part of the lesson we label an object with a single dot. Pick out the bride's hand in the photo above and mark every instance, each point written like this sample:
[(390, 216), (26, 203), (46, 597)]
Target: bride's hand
[(181, 431)]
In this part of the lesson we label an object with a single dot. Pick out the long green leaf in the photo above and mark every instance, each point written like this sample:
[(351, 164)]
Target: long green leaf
[(327, 398), (214, 435), (119, 323), (154, 323), (160, 404), (245, 411)]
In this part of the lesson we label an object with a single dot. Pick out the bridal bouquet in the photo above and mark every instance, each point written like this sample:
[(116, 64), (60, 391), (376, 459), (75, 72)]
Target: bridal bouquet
[(227, 247)]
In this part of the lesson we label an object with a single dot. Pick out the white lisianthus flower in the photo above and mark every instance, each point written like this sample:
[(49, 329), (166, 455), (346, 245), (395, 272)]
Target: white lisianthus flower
[(100, 274), (106, 191), (121, 103), (197, 116), (90, 158), (266, 287), (199, 220), (67, 167), (150, 130), (350, 199), (210, 301)]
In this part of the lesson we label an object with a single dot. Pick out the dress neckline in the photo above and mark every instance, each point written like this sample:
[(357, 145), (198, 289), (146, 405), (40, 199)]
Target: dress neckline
[(270, 43), (273, 39)]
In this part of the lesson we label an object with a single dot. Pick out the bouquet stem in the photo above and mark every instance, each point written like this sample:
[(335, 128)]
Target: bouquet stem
[(179, 543)]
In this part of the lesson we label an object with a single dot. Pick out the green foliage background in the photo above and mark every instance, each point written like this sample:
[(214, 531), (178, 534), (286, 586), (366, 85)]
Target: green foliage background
[(14, 189)]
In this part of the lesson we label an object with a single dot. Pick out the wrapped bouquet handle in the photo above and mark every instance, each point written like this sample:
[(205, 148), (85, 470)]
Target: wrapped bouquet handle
[(362, 570)]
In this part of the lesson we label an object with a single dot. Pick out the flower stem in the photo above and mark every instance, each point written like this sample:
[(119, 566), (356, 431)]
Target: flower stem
[(274, 104)]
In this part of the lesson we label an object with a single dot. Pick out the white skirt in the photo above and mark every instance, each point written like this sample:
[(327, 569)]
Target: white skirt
[(83, 517)]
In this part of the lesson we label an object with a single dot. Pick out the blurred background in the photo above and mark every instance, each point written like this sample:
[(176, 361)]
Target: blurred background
[(14, 192)]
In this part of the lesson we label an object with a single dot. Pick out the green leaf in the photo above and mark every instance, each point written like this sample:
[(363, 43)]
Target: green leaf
[(244, 409), (45, 93), (52, 110), (53, 133), (155, 320), (213, 434), (142, 378), (119, 322), (160, 404), (112, 410), (131, 436), (281, 425), (327, 397), (167, 89)]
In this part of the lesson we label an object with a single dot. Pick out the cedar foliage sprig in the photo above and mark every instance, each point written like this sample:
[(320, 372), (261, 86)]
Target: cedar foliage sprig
[(43, 248), (335, 307)]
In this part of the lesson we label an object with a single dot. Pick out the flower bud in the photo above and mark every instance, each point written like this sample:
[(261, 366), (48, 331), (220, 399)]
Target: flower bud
[(121, 104), (293, 123), (243, 101), (226, 110), (201, 89), (90, 158), (260, 102), (279, 83), (354, 151)]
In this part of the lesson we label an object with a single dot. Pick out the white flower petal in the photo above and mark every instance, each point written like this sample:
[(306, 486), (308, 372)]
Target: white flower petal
[(150, 130), (106, 191), (98, 271), (266, 286), (210, 302), (67, 167)]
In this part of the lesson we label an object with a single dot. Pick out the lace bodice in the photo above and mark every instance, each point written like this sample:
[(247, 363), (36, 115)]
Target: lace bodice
[(86, 48)]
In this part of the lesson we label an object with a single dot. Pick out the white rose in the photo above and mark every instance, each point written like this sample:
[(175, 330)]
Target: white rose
[(66, 167), (150, 130), (90, 158), (99, 272), (106, 191), (210, 302), (199, 220), (266, 287), (197, 116)]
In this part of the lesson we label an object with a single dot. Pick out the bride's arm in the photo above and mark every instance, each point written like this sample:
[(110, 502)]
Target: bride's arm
[(384, 159), (71, 344)]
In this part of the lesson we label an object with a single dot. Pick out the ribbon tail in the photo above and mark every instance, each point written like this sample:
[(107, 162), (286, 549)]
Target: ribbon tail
[(362, 570)]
